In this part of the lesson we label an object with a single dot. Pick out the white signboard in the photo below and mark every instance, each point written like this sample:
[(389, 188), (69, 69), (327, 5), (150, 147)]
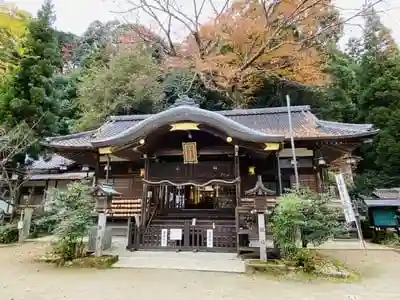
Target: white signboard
[(345, 198), (175, 234), (348, 208), (164, 237), (210, 238)]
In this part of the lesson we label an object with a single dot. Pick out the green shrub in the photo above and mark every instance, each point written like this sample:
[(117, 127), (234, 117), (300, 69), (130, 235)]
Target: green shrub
[(306, 215), (102, 262), (304, 258), (9, 233), (44, 224), (73, 208), (387, 237)]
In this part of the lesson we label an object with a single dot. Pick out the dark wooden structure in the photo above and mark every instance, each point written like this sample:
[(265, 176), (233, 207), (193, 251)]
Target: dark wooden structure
[(384, 209), (183, 173)]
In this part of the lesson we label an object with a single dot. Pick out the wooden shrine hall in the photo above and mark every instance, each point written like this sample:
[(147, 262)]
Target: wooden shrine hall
[(183, 173)]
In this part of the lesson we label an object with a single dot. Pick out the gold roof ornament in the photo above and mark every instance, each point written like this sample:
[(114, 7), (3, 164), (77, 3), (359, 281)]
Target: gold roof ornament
[(184, 126), (271, 146), (105, 150)]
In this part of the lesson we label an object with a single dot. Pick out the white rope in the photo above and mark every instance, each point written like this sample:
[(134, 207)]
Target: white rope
[(192, 183)]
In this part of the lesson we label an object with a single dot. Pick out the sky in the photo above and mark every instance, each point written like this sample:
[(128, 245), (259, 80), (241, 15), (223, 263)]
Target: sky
[(75, 15)]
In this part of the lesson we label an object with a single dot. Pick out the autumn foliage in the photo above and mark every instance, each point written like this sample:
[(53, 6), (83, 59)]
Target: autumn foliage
[(252, 40), (13, 22)]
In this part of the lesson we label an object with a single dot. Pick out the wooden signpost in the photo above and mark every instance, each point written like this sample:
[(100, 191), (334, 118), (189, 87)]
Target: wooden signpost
[(24, 224), (262, 238)]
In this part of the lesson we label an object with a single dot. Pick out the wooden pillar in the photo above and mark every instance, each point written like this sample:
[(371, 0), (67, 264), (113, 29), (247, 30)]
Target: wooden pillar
[(145, 187), (108, 167), (237, 174), (238, 195), (45, 196), (97, 170), (318, 171), (130, 234), (279, 174), (144, 207), (346, 168)]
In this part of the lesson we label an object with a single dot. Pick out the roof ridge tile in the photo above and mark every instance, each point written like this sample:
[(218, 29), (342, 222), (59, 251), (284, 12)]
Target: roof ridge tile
[(232, 112)]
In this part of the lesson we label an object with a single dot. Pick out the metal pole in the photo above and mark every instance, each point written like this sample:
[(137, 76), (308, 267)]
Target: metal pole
[(296, 173)]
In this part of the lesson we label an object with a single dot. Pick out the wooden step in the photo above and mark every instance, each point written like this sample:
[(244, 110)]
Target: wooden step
[(198, 222), (197, 217), (198, 214)]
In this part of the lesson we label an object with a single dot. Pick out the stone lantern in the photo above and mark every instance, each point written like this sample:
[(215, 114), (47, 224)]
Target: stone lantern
[(260, 193), (103, 194)]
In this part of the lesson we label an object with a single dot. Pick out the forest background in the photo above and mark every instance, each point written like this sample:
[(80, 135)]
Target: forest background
[(249, 54)]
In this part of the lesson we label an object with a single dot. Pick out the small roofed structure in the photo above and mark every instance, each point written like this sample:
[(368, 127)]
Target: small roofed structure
[(384, 208), (103, 194), (42, 175), (392, 193), (186, 169), (105, 190)]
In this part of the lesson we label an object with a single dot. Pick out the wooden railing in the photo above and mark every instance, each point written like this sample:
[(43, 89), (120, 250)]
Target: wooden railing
[(205, 235)]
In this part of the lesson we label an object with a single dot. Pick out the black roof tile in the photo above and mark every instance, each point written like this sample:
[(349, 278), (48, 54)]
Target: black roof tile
[(269, 121)]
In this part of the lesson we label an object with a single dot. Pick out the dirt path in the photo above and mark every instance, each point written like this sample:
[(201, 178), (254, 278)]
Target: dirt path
[(20, 279)]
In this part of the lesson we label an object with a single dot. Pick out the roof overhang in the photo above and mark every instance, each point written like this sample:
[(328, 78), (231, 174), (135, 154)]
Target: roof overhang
[(382, 203), (361, 135), (186, 113), (83, 137)]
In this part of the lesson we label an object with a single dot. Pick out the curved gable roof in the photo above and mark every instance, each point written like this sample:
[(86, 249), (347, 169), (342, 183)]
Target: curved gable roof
[(187, 113), (261, 125)]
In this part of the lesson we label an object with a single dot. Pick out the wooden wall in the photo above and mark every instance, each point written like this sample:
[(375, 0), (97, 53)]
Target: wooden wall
[(202, 171), (131, 186), (127, 180)]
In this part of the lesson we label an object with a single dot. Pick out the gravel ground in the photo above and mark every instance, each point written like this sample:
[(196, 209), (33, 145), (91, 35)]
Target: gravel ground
[(21, 279)]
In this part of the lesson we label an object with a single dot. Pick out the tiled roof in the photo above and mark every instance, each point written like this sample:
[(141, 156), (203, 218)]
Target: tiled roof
[(54, 162), (269, 121), (81, 139), (384, 202), (393, 193), (62, 176)]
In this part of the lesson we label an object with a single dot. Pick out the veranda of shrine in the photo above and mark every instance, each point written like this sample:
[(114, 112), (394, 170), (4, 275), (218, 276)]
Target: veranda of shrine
[(184, 173)]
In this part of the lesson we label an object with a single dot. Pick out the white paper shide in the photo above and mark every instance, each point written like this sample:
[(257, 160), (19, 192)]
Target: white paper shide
[(210, 238), (164, 237)]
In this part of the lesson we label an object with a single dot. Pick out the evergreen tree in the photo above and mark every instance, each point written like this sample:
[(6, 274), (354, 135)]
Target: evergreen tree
[(128, 84), (338, 98), (29, 98), (365, 87), (378, 103)]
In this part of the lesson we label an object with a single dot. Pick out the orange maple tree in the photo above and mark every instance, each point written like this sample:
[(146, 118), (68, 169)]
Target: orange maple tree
[(252, 40), (248, 41)]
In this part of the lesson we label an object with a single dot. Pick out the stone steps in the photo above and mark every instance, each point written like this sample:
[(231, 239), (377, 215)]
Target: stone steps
[(200, 261)]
